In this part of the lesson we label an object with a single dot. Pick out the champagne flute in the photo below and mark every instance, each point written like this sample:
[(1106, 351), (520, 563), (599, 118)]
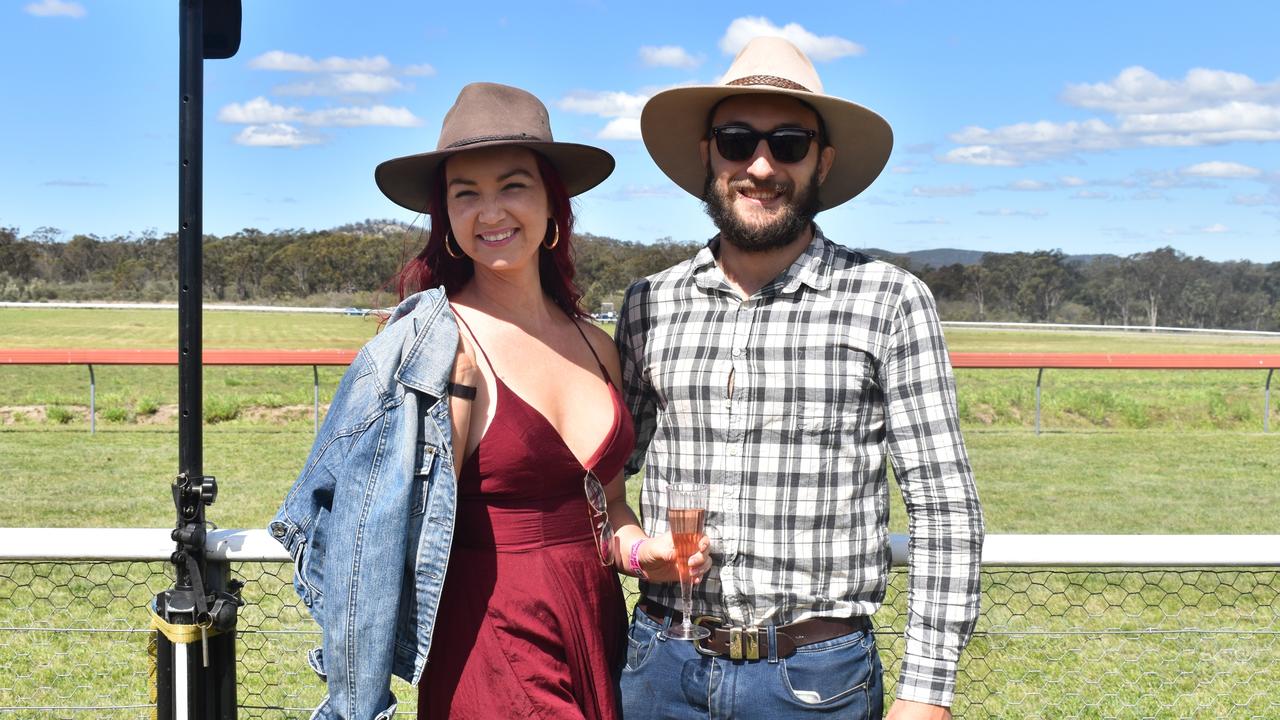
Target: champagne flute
[(686, 514)]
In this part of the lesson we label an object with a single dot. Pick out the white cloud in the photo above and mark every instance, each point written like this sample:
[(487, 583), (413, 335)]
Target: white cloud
[(1029, 142), (420, 70), (1009, 212), (818, 48), (1221, 123), (1091, 195), (1218, 169), (55, 8), (261, 111), (621, 129), (274, 135), (668, 56), (1029, 186), (1255, 200), (1138, 90), (258, 111), (289, 62), (1215, 229), (981, 155), (938, 191), (926, 221), (379, 115), (605, 104), (1207, 107), (344, 84), (1072, 181)]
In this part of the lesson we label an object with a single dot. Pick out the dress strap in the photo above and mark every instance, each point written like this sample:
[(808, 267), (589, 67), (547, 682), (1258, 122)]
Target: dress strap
[(474, 339), (603, 370)]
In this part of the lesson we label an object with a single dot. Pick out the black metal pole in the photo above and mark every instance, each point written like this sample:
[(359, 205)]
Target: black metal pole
[(180, 605), (190, 232), (196, 678)]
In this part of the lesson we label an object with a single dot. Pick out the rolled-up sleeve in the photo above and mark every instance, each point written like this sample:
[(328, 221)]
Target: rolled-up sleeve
[(945, 518)]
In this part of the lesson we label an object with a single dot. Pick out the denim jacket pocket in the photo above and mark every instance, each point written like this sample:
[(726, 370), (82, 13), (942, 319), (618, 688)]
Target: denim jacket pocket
[(426, 456), (308, 563)]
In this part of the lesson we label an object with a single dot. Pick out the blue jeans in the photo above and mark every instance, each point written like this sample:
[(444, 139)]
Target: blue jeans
[(669, 680)]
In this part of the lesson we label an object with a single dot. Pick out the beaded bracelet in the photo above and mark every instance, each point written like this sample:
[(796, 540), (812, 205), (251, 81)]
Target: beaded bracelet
[(635, 559)]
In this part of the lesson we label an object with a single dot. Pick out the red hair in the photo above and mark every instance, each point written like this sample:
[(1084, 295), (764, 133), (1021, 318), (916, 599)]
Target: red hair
[(434, 266)]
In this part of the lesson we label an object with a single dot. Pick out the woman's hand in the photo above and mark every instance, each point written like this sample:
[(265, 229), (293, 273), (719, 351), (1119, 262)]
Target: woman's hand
[(657, 557)]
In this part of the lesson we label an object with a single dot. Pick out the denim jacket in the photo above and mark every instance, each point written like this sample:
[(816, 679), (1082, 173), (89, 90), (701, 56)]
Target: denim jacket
[(369, 521)]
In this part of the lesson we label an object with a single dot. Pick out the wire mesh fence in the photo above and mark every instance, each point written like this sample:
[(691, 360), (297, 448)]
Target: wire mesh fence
[(1051, 643)]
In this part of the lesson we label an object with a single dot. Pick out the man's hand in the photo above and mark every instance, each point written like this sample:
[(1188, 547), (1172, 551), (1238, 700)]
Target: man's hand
[(910, 710), (658, 558)]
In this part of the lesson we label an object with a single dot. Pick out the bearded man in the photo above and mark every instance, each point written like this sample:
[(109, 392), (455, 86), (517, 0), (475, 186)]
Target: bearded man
[(785, 372)]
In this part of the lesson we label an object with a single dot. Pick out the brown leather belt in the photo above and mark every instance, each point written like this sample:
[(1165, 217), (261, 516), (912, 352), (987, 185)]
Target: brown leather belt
[(752, 643)]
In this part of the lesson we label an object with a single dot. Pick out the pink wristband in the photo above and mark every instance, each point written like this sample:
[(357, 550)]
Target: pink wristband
[(635, 559)]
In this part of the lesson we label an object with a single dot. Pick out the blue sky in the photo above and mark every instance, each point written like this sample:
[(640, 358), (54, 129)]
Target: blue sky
[(1087, 126)]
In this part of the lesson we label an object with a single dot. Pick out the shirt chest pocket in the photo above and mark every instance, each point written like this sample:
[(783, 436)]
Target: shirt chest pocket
[(834, 384)]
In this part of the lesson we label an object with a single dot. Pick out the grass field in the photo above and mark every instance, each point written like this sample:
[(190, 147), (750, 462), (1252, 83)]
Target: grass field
[(1124, 452)]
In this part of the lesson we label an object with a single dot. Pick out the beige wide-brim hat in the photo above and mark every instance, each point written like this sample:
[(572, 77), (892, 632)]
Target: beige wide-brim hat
[(491, 115), (674, 121)]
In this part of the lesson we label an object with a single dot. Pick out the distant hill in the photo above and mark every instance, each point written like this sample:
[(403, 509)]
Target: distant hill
[(376, 228), (942, 257)]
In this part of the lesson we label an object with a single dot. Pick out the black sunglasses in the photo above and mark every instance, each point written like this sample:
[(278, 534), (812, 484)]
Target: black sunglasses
[(738, 142)]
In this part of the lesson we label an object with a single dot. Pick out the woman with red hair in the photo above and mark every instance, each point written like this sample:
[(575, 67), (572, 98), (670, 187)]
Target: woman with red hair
[(530, 591)]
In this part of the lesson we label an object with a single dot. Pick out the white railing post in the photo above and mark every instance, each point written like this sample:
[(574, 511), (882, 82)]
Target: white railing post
[(315, 397), (1039, 377), (93, 404)]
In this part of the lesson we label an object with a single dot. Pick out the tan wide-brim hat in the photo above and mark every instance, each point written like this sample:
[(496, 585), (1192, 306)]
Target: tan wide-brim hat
[(674, 121), (491, 115)]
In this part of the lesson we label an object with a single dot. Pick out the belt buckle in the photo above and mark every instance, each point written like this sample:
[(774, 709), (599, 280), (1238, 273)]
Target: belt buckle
[(697, 644), (744, 643)]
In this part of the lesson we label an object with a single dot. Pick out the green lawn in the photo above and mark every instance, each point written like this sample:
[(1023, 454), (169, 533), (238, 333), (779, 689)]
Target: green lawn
[(1061, 482), (1123, 452), (60, 328)]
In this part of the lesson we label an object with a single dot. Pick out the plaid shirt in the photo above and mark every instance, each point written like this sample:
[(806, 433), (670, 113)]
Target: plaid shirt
[(836, 366)]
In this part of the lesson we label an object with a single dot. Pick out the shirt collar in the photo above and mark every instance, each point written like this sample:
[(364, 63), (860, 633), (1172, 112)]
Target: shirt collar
[(811, 268)]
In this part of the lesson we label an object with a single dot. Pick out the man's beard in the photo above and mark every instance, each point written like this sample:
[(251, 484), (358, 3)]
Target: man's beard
[(777, 233)]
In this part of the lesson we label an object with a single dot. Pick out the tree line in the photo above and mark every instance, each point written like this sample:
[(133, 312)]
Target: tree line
[(354, 264), (1162, 287)]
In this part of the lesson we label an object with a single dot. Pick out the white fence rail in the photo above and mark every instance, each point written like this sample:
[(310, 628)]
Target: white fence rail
[(1106, 328), (1072, 626), (154, 545)]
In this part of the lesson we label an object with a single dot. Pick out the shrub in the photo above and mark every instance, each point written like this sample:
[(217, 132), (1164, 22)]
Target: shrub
[(218, 410)]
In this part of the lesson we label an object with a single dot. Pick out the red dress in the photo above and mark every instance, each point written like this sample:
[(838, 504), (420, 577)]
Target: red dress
[(530, 624)]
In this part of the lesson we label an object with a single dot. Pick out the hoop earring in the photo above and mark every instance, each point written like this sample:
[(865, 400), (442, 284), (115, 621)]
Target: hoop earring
[(448, 235), (555, 240)]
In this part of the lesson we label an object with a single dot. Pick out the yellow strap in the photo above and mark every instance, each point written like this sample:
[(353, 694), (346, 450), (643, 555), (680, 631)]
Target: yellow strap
[(179, 634)]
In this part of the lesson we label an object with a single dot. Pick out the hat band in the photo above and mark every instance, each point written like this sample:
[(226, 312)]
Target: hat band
[(522, 137), (771, 80)]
